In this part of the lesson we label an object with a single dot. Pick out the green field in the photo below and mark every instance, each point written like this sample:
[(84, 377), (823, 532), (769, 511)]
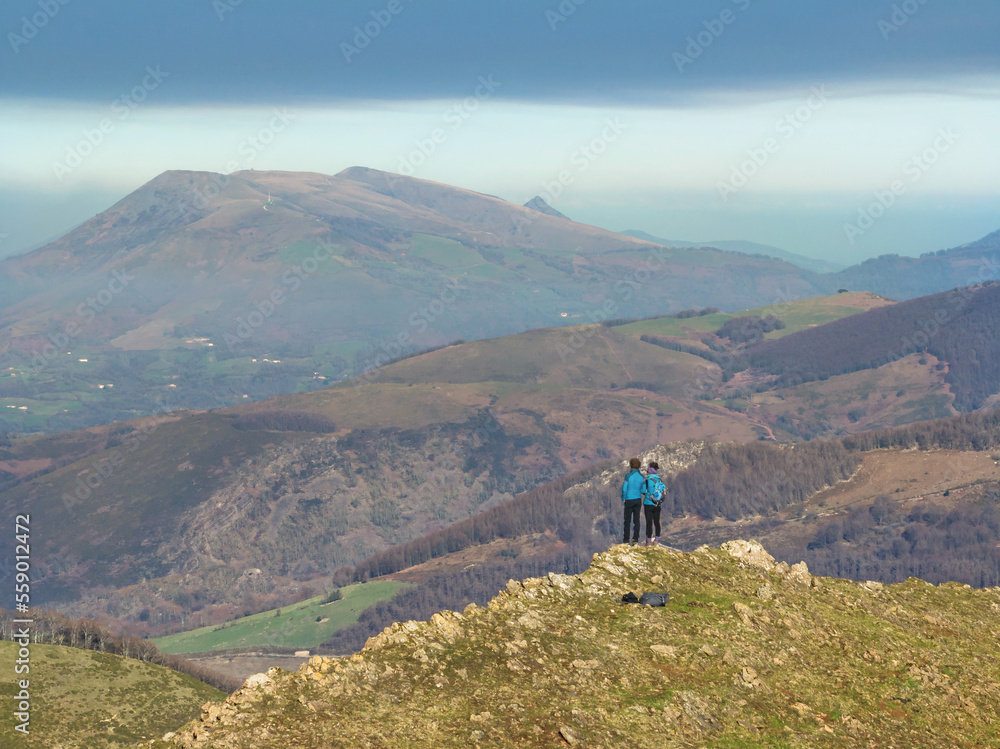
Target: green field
[(806, 313), (797, 315), (446, 252), (672, 326), (299, 252), (299, 626), (83, 698)]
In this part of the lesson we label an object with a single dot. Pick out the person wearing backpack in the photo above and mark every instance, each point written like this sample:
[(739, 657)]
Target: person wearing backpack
[(654, 492), (633, 491)]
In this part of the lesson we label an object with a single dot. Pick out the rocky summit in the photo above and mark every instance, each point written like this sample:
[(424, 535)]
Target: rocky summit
[(747, 652)]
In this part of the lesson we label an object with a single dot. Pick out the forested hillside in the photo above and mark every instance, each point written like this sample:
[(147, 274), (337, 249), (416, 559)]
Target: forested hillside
[(960, 327), (755, 486)]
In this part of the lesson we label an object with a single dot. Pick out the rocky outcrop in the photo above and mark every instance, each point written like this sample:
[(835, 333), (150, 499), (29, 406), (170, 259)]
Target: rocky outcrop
[(672, 457), (747, 651)]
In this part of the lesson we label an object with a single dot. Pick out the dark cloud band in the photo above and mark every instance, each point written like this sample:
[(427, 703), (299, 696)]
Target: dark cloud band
[(644, 51)]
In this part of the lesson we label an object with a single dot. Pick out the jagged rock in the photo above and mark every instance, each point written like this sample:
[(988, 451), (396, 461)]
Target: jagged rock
[(744, 612), (697, 710), (799, 573), (447, 623), (750, 553), (749, 678), (572, 737), (668, 650), (563, 582), (672, 457), (258, 680), (530, 621), (765, 592)]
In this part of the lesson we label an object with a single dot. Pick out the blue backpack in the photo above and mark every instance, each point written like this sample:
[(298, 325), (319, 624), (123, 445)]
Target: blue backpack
[(657, 490)]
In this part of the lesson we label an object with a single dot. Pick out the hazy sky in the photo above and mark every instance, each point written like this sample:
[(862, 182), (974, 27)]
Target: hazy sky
[(775, 121)]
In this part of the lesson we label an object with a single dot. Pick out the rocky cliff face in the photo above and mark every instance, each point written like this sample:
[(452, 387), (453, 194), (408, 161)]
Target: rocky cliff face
[(672, 458), (747, 652)]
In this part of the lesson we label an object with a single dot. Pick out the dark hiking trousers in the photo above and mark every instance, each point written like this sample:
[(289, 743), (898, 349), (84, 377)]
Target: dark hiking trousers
[(631, 517), (652, 513)]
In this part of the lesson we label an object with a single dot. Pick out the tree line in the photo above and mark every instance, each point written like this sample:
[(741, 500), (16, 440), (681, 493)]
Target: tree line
[(682, 315), (739, 480), (960, 327), (534, 511), (52, 628), (684, 348), (890, 543), (730, 480), (749, 328)]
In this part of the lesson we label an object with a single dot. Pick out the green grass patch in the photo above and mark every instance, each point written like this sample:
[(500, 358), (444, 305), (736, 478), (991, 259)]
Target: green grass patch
[(672, 326), (13, 406), (299, 252), (931, 406), (442, 251), (797, 315), (346, 349), (492, 272), (301, 626), (241, 366)]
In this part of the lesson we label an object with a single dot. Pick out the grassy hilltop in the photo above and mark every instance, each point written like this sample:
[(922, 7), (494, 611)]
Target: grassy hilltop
[(747, 653), (83, 698)]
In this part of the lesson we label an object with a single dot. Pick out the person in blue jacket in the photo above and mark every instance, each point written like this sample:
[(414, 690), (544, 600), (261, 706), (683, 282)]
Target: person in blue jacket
[(633, 491), (654, 492)]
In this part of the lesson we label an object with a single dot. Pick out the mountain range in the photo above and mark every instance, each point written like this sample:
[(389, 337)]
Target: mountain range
[(204, 290), (816, 265), (160, 521), (328, 379)]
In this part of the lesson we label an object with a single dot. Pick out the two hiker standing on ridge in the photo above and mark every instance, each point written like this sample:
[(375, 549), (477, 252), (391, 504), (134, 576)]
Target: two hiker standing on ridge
[(646, 492)]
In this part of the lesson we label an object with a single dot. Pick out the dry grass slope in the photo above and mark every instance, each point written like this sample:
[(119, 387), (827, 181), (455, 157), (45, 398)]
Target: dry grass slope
[(84, 698)]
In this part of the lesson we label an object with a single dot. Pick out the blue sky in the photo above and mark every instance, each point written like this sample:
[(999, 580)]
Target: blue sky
[(776, 121)]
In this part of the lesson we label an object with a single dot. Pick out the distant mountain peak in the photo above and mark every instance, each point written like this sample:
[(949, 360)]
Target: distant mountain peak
[(990, 241), (538, 203), (361, 173)]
